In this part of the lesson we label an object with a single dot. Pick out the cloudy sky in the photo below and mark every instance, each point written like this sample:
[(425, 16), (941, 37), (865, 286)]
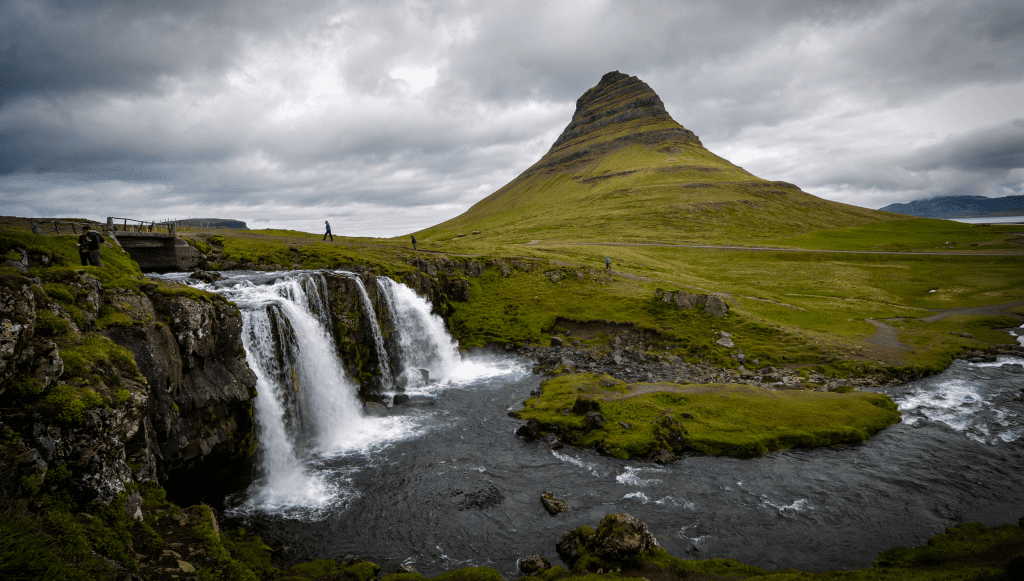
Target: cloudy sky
[(387, 117)]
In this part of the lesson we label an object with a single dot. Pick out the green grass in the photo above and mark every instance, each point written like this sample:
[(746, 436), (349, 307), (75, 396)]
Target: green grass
[(734, 420)]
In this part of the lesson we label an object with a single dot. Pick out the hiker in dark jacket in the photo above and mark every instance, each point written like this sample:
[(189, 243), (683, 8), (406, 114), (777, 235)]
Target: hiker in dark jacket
[(89, 247), (413, 242), (328, 233)]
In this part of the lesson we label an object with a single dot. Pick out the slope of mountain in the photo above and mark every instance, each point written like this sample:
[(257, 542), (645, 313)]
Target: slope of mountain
[(624, 169), (960, 207)]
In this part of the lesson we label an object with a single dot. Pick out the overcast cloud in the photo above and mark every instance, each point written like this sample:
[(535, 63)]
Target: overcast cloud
[(389, 117)]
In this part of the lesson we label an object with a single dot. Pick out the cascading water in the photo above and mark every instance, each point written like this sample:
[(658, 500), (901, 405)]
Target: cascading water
[(423, 342), (386, 379), (307, 408)]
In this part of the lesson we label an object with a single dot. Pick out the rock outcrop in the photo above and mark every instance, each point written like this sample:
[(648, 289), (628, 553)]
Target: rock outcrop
[(620, 540), (712, 304), (109, 386), (617, 100)]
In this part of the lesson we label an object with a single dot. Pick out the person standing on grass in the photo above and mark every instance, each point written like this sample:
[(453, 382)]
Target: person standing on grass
[(89, 247), (328, 233), (413, 242), (608, 264)]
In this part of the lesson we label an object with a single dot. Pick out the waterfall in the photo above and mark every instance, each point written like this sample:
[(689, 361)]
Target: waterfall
[(386, 378), (307, 409), (306, 403), (423, 342)]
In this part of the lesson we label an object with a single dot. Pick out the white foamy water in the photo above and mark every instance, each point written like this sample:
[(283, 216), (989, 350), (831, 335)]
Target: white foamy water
[(981, 410), (788, 510), (631, 476)]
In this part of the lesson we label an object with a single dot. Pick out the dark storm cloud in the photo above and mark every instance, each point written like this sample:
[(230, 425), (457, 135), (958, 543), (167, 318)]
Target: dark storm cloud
[(415, 110), (989, 149)]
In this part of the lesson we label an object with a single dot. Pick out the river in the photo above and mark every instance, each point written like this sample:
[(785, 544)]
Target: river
[(442, 482)]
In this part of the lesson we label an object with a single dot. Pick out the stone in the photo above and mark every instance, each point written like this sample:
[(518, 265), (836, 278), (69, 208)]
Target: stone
[(725, 342), (617, 358), (533, 564), (552, 504), (206, 276), (556, 341), (716, 306), (374, 409), (568, 363), (400, 398), (552, 442), (529, 431), (621, 536), (555, 277), (585, 405), (594, 420), (685, 300)]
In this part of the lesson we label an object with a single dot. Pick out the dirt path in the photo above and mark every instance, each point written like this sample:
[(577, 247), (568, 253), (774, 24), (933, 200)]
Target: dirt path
[(996, 310), (772, 249)]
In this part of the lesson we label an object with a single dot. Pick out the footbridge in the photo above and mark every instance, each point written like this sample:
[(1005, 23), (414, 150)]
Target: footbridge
[(154, 245)]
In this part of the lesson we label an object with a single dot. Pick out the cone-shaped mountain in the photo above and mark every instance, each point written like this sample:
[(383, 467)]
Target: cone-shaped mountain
[(624, 170)]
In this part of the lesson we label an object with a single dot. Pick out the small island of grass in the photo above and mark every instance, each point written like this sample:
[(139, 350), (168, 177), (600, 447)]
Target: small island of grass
[(659, 421)]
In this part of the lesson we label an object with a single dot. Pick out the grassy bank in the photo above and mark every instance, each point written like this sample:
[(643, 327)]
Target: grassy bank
[(639, 420)]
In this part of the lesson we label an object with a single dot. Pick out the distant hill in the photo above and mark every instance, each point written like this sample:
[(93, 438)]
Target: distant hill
[(212, 223), (623, 169), (961, 207)]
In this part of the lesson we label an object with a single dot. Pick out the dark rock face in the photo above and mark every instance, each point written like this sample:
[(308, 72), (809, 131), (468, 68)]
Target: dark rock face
[(353, 333), (17, 324), (201, 411), (187, 410), (617, 100)]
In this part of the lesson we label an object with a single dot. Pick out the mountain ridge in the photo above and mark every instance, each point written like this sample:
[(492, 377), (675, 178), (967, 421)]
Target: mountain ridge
[(960, 207)]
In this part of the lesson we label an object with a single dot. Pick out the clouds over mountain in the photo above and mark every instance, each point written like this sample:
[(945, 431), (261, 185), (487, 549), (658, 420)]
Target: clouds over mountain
[(395, 116)]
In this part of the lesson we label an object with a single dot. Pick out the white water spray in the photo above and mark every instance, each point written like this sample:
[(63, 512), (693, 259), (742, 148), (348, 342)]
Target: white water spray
[(423, 342)]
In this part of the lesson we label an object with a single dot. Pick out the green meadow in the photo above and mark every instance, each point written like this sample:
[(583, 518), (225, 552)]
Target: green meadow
[(713, 419)]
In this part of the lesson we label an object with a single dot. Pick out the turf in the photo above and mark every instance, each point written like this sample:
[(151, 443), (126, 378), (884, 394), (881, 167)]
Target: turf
[(733, 420)]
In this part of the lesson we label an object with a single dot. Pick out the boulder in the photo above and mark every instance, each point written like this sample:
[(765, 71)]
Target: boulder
[(585, 405), (556, 341), (552, 504), (375, 410), (716, 306), (621, 537), (529, 431), (685, 300), (533, 564), (594, 420), (400, 398), (206, 276)]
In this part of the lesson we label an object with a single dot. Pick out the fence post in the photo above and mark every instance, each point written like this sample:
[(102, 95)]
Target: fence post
[(55, 228), (173, 229)]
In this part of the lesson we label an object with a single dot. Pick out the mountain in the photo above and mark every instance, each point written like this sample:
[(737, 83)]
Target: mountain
[(623, 169), (212, 223), (960, 207)]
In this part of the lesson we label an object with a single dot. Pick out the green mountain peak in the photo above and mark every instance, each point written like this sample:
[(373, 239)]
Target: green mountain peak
[(624, 170)]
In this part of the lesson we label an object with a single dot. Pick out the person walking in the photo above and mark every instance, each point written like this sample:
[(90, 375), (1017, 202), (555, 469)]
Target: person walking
[(328, 233), (608, 264), (413, 242), (89, 247)]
